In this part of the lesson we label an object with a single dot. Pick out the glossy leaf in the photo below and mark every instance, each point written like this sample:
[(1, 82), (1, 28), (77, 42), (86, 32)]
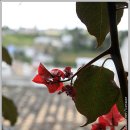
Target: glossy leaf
[(5, 56), (95, 16), (9, 110), (96, 92), (120, 105)]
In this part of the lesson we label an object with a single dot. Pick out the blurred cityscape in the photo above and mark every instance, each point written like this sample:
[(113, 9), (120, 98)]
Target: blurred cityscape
[(53, 48)]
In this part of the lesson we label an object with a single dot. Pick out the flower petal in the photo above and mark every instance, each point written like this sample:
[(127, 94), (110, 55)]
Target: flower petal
[(54, 87), (50, 79), (98, 126), (57, 72), (60, 86), (116, 114), (38, 79), (112, 128), (68, 69), (43, 71), (68, 72), (104, 120), (112, 118)]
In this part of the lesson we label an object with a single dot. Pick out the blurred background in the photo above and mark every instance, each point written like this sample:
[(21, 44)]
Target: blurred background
[(51, 34)]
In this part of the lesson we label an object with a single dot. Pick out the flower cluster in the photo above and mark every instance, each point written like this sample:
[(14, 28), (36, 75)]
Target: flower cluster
[(109, 120), (52, 79), (69, 90)]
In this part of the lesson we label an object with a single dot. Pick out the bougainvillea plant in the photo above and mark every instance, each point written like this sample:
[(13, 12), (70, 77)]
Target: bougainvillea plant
[(50, 79), (94, 92), (110, 119)]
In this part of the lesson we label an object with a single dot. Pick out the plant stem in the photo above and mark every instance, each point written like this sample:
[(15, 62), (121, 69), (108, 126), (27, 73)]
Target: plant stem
[(88, 64), (115, 52), (93, 60), (122, 8), (105, 61), (122, 127)]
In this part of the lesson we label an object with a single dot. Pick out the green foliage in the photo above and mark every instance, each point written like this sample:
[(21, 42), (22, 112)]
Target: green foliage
[(9, 110), (5, 56), (96, 92), (120, 105), (18, 39), (95, 17)]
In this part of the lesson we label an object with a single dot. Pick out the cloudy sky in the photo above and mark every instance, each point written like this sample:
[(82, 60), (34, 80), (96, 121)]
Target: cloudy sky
[(44, 15)]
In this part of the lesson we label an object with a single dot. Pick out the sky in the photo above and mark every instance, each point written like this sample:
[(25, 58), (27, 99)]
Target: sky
[(46, 15)]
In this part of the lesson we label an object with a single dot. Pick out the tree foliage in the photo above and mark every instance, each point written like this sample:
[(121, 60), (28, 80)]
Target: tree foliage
[(95, 17), (96, 91), (9, 109)]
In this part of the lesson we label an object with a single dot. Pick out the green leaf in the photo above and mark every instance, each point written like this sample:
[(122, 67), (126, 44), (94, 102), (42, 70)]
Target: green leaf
[(5, 56), (95, 16), (96, 92), (120, 105), (9, 110), (121, 5)]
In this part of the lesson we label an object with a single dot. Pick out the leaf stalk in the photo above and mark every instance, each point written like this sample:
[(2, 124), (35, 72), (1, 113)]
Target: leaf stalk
[(106, 52), (116, 56)]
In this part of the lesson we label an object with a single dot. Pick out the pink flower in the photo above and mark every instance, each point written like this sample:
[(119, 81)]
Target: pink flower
[(69, 90), (50, 79), (68, 72), (112, 118), (98, 126)]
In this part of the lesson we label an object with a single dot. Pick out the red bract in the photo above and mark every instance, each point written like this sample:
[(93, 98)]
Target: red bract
[(98, 126), (50, 79), (68, 72), (57, 73), (70, 91), (112, 118)]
